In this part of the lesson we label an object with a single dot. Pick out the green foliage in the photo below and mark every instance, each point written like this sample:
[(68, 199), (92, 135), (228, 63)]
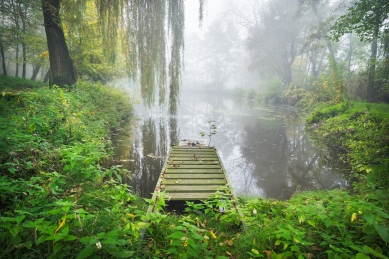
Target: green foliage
[(357, 135), (212, 131), (56, 199), (274, 92), (8, 83), (324, 111)]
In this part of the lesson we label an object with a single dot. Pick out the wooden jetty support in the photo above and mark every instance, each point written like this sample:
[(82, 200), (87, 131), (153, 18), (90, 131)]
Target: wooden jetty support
[(190, 173)]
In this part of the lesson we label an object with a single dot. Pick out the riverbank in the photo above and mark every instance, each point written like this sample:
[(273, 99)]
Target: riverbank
[(58, 201), (357, 134), (56, 197)]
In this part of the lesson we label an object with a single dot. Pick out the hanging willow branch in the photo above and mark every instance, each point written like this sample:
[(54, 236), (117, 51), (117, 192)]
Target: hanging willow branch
[(144, 42)]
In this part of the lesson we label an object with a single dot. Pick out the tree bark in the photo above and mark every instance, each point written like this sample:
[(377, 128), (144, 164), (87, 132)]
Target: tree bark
[(46, 79), (3, 58), (371, 75), (35, 72), (24, 55), (62, 71), (286, 75), (17, 60)]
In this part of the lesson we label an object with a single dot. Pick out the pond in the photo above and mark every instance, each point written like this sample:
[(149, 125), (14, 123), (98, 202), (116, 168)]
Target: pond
[(265, 149)]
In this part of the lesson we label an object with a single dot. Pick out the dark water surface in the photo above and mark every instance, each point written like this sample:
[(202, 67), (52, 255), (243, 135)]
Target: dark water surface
[(265, 149)]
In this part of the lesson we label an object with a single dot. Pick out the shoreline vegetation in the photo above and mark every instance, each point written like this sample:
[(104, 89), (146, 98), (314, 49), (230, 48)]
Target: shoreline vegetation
[(57, 200)]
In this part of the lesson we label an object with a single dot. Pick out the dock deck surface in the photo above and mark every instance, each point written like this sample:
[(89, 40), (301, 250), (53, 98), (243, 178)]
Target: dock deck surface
[(192, 173)]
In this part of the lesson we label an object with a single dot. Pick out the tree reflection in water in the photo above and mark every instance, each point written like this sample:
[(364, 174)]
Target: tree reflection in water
[(265, 150)]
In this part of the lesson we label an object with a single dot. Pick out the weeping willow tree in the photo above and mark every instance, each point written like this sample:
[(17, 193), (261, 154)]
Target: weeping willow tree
[(151, 34), (152, 37)]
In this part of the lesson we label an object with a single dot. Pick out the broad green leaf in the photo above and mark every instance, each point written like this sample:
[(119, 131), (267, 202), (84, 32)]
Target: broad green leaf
[(123, 254), (362, 256), (57, 247), (383, 232), (176, 235), (87, 251), (369, 217)]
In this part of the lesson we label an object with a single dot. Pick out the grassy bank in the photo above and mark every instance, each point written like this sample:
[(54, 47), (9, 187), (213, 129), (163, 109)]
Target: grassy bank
[(357, 133), (55, 195), (58, 201)]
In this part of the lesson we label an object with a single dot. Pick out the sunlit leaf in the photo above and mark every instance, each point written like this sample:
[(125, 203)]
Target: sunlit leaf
[(353, 216)]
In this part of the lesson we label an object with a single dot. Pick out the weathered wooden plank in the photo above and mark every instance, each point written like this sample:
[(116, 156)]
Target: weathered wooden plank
[(193, 171), (200, 166), (193, 181), (195, 176), (179, 157), (190, 158), (191, 188), (191, 148), (177, 196), (192, 162)]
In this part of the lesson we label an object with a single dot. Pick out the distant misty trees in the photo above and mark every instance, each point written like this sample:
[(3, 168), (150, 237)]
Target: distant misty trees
[(213, 60)]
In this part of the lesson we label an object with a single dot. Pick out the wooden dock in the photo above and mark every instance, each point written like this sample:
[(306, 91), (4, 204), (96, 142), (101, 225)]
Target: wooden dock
[(190, 173)]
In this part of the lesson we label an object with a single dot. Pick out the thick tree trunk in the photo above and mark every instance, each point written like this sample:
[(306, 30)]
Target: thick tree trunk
[(62, 71), (3, 58)]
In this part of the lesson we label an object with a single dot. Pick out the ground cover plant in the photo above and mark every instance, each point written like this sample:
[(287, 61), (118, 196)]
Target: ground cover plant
[(57, 200), (60, 200)]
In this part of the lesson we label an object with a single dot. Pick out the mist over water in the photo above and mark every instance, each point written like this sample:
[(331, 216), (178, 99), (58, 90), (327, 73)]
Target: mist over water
[(265, 149)]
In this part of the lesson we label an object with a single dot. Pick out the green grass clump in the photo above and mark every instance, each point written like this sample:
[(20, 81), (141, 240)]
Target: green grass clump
[(18, 83), (325, 111)]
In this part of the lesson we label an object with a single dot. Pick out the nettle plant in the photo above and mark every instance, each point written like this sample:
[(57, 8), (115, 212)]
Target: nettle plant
[(212, 131)]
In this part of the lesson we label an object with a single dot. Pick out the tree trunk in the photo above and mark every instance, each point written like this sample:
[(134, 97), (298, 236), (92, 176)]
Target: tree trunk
[(371, 76), (286, 75), (46, 79), (24, 54), (3, 58), (62, 71), (17, 60), (35, 72)]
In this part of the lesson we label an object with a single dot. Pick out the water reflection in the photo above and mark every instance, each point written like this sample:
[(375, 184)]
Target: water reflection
[(265, 150)]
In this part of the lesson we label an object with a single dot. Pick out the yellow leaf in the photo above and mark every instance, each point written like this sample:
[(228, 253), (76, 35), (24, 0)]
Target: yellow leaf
[(212, 234), (61, 225), (353, 217)]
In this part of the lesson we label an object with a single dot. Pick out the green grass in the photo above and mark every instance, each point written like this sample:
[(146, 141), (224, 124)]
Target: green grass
[(18, 83)]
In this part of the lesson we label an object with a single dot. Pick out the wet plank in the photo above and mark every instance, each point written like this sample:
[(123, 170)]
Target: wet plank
[(194, 181), (195, 176), (194, 171), (190, 196), (199, 166), (191, 188), (190, 158)]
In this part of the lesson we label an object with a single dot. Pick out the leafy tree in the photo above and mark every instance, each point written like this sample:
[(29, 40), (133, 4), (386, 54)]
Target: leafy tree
[(274, 42), (368, 20)]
